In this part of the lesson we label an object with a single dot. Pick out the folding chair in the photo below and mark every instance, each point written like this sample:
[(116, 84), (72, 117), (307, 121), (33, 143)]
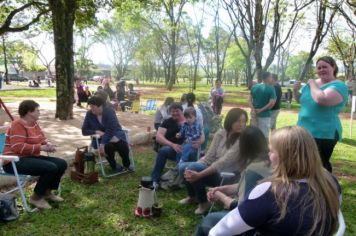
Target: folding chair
[(151, 105), (102, 161), (21, 180)]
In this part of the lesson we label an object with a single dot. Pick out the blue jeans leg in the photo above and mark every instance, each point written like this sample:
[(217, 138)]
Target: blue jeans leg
[(206, 134), (187, 152), (209, 222), (164, 153)]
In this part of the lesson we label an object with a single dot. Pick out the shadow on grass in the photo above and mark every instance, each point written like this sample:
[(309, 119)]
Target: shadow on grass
[(350, 142)]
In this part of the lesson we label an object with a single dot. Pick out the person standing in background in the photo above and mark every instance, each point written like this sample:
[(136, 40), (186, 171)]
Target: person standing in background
[(321, 101), (277, 106), (217, 95), (262, 99)]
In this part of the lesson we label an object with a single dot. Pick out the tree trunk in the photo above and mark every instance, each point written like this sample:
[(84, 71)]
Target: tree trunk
[(63, 14), (5, 60)]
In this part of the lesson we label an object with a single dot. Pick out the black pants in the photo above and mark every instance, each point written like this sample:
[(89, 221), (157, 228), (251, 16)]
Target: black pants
[(122, 148), (326, 148), (49, 169)]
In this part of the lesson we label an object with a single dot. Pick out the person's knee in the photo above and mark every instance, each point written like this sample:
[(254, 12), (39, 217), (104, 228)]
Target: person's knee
[(61, 165)]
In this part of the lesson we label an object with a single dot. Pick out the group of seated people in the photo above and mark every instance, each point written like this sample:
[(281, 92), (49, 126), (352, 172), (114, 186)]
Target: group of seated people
[(278, 189)]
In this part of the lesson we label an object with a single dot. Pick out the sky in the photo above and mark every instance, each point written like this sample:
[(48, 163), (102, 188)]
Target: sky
[(99, 53)]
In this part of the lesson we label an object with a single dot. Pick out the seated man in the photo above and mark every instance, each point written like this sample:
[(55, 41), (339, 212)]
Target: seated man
[(101, 119), (171, 145)]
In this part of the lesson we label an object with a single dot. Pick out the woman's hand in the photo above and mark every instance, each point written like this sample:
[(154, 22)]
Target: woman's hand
[(99, 132), (48, 147), (102, 149), (191, 176)]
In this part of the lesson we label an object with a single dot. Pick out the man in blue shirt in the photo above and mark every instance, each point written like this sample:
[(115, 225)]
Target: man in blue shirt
[(262, 99)]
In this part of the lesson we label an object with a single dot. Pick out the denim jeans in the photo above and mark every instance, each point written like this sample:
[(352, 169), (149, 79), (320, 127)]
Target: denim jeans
[(206, 131), (264, 124), (208, 222), (49, 169), (187, 151), (164, 153), (197, 189)]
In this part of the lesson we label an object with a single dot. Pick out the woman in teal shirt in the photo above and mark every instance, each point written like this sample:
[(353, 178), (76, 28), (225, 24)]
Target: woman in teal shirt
[(321, 102)]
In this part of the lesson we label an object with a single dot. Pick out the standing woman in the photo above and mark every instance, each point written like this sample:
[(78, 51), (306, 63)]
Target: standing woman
[(217, 95), (301, 198), (25, 139), (321, 102)]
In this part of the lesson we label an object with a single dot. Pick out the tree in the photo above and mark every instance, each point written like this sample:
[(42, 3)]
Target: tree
[(121, 37), (296, 64), (12, 16), (84, 65), (253, 19), (324, 19)]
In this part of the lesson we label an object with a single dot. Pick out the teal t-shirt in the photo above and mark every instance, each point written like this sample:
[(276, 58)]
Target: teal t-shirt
[(322, 121), (261, 95)]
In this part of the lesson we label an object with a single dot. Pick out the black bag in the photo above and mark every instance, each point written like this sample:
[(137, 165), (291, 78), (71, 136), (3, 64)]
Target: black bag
[(8, 210)]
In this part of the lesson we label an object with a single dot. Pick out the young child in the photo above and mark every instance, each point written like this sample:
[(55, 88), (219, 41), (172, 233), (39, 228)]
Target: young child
[(190, 131)]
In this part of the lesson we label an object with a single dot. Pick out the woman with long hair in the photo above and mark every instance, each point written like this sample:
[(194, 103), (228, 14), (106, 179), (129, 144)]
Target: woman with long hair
[(300, 198), (220, 157), (256, 166)]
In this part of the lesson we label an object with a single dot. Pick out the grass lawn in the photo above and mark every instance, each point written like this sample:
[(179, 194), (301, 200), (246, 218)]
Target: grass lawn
[(107, 208)]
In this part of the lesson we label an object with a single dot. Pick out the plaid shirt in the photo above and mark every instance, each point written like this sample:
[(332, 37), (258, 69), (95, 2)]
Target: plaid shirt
[(190, 132)]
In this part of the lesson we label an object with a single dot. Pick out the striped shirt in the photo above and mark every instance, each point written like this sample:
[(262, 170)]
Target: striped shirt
[(23, 139)]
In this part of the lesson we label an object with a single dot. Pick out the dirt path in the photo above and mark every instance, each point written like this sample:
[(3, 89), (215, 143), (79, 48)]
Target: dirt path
[(67, 134)]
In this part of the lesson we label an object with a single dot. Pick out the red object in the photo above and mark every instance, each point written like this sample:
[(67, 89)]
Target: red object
[(2, 104), (138, 211)]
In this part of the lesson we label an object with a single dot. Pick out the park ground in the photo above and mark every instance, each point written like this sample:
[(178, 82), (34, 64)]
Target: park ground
[(107, 207)]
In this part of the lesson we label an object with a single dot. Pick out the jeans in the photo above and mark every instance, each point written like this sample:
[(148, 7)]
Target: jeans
[(122, 148), (208, 222), (206, 134), (187, 151), (164, 153), (264, 124), (49, 169), (197, 189)]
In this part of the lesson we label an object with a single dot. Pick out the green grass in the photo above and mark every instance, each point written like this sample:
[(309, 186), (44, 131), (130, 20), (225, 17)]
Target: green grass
[(35, 93), (107, 208)]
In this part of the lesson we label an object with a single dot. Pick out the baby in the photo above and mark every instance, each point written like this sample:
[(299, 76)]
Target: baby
[(190, 131)]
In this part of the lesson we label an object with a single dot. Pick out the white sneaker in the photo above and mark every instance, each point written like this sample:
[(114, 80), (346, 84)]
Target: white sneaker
[(40, 203), (187, 200)]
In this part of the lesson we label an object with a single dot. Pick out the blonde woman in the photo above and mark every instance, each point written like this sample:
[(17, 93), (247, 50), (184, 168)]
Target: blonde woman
[(301, 197)]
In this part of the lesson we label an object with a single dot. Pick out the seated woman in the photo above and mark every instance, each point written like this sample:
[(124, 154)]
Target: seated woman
[(101, 119), (301, 198), (221, 156), (254, 160), (25, 139), (162, 112)]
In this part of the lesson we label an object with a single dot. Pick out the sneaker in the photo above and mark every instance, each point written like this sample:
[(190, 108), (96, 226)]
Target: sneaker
[(118, 169), (155, 185), (54, 198), (187, 200), (129, 169), (40, 203), (202, 208)]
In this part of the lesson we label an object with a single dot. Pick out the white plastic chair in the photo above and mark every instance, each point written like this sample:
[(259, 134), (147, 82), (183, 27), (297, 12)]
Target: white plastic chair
[(102, 162)]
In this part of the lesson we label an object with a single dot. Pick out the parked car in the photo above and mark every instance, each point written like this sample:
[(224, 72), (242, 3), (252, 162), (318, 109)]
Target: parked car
[(290, 83), (18, 78)]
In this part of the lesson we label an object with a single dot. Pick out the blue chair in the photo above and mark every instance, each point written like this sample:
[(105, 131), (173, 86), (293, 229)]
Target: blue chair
[(21, 180), (151, 105)]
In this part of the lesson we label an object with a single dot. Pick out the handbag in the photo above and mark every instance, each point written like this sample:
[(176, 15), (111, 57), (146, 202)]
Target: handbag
[(8, 210)]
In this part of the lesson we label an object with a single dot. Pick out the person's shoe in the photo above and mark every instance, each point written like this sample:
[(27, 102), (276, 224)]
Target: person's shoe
[(54, 198), (118, 169), (155, 185), (202, 208), (40, 203), (129, 169), (187, 200)]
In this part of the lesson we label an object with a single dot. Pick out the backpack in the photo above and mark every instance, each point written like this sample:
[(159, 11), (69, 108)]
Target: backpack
[(210, 119), (8, 210)]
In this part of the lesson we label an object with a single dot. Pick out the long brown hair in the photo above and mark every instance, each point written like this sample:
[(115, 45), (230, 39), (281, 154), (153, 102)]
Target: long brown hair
[(299, 159), (232, 116)]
